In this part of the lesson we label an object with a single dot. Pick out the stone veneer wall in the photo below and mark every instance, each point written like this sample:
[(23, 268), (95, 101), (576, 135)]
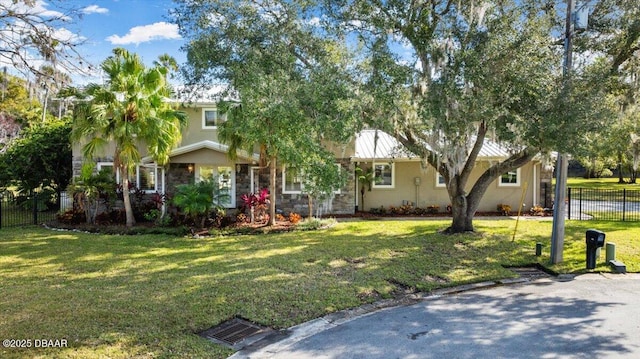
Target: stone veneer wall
[(342, 203), (76, 166), (176, 174), (243, 183), (77, 162)]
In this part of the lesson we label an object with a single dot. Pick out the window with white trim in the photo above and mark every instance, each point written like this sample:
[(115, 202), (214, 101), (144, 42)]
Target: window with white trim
[(510, 179), (204, 172), (440, 181), (292, 181), (225, 176), (384, 175), (146, 177), (211, 119), (225, 183), (105, 166)]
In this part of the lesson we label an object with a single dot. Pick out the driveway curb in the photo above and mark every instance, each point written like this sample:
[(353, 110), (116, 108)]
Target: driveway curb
[(269, 345)]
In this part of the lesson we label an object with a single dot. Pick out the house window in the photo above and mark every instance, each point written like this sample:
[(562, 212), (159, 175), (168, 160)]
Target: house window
[(147, 178), (292, 181), (225, 175), (225, 184), (510, 179), (205, 172), (105, 166), (383, 175), (440, 181), (211, 119)]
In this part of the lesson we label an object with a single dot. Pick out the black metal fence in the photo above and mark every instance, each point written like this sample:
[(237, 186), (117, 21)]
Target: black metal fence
[(603, 204), (36, 207)]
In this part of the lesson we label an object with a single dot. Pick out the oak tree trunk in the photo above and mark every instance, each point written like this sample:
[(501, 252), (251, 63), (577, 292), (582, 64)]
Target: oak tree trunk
[(462, 212)]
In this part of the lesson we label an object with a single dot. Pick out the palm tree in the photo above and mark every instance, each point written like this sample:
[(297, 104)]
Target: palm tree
[(168, 62), (130, 110)]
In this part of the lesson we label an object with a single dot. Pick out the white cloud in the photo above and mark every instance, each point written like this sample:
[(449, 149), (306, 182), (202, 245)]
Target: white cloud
[(139, 34), (95, 9), (314, 21), (39, 8), (65, 35)]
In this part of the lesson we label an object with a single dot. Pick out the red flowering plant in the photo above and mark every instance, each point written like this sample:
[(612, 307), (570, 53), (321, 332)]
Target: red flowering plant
[(257, 204)]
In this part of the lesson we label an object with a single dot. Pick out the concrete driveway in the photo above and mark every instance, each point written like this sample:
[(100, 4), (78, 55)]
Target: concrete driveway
[(591, 316)]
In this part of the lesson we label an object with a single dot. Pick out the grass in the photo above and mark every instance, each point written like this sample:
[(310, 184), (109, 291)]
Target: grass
[(599, 183), (145, 296)]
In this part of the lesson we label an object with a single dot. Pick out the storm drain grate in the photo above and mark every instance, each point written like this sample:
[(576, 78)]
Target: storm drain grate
[(530, 272), (232, 332)]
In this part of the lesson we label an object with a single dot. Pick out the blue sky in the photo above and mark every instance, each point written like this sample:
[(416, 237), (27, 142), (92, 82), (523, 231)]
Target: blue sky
[(140, 26)]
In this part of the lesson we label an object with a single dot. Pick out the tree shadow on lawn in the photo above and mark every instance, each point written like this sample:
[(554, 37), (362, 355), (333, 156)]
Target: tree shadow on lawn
[(141, 285)]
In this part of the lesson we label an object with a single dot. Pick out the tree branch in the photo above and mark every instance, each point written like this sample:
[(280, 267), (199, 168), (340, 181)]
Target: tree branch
[(475, 151)]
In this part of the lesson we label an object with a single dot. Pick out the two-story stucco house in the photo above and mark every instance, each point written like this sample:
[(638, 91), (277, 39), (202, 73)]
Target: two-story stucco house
[(400, 177)]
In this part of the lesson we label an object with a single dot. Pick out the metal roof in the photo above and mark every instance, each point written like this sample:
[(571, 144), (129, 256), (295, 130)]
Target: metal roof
[(200, 95), (387, 147)]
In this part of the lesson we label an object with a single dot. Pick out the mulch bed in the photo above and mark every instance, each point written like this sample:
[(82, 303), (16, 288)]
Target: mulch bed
[(240, 228), (152, 228)]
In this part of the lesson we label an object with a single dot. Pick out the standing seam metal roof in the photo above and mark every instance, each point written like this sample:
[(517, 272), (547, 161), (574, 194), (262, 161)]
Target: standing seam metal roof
[(387, 147)]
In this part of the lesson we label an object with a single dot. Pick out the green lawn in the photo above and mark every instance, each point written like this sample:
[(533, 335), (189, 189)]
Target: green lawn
[(600, 183), (146, 296)]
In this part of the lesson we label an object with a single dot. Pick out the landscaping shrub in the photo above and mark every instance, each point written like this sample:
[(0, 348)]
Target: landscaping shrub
[(420, 211), (71, 217), (93, 193), (504, 209), (433, 209), (537, 211), (197, 200), (294, 217), (242, 218), (256, 205), (379, 210), (310, 224)]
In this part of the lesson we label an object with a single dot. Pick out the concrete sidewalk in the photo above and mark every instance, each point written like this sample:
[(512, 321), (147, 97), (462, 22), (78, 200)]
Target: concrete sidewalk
[(593, 315)]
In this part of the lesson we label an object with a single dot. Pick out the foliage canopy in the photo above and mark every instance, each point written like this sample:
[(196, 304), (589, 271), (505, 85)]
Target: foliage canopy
[(40, 157), (295, 96)]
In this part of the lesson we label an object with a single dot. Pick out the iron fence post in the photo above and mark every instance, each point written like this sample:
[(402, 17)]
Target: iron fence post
[(580, 203), (35, 207), (568, 203), (624, 204)]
